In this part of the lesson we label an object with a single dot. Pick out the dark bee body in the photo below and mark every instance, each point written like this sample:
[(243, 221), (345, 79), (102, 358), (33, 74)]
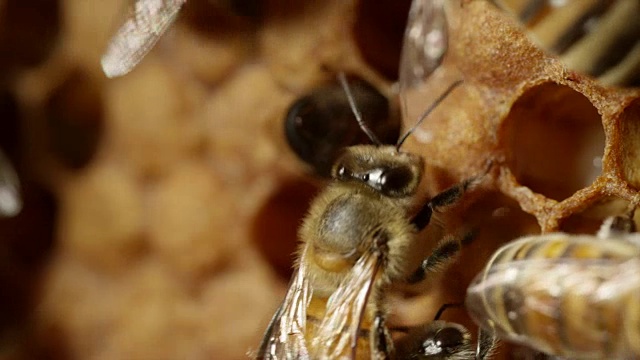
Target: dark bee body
[(567, 295), (441, 340), (597, 37), (319, 125)]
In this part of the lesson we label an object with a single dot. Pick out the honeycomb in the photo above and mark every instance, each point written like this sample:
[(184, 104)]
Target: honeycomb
[(161, 208)]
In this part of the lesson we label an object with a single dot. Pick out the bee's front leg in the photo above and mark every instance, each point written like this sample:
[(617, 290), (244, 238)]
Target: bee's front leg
[(443, 199), (448, 197), (381, 343)]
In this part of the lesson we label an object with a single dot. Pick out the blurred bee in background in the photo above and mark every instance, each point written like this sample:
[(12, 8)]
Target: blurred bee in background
[(10, 199), (144, 23), (319, 125), (359, 239), (444, 340), (600, 38), (565, 295)]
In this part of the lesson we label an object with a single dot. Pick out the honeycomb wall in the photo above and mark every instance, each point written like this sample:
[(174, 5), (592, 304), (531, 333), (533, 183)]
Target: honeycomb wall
[(166, 201)]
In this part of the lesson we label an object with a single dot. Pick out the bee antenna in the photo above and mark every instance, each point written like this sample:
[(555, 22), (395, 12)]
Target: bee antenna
[(428, 111), (352, 103), (445, 307)]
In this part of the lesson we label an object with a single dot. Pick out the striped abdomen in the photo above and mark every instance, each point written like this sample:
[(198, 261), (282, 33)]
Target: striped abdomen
[(574, 296), (597, 37)]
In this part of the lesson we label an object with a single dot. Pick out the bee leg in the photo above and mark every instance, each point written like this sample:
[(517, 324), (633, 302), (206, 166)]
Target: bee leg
[(446, 250), (443, 199), (380, 339), (487, 343), (448, 197)]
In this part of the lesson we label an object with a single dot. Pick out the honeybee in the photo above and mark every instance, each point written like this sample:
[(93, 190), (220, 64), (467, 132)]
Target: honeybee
[(10, 200), (598, 37), (359, 238), (444, 340), (144, 23), (575, 296)]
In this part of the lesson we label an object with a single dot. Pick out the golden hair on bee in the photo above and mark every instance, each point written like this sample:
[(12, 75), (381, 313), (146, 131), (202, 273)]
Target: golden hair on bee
[(360, 235), (357, 239)]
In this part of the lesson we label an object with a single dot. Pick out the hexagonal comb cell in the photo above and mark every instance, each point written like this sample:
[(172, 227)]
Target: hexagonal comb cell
[(553, 132), (277, 238), (27, 31), (221, 16), (589, 220), (630, 133), (378, 30), (74, 118)]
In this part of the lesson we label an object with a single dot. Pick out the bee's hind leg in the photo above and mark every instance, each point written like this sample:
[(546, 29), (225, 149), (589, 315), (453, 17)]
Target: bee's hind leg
[(381, 343), (446, 251)]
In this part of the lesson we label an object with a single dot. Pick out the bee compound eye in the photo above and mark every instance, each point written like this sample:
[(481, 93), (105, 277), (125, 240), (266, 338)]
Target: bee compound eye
[(395, 180), (449, 338), (382, 180), (342, 172)]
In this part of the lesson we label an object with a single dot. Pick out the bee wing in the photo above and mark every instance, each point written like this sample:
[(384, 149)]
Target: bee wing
[(338, 333), (425, 41), (145, 21), (509, 295), (284, 337), (424, 45), (10, 200)]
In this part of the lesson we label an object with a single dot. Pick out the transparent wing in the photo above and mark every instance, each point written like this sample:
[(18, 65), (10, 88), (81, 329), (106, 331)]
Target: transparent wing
[(425, 43), (145, 21), (284, 338), (338, 333), (10, 200), (557, 305)]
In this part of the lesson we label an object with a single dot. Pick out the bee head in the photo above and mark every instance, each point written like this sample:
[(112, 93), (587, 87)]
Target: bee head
[(437, 340), (444, 340), (382, 168)]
